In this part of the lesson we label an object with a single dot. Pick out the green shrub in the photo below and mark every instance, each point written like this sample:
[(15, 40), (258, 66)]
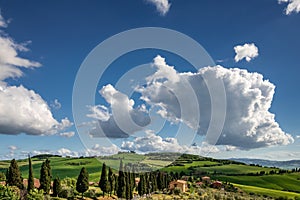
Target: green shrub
[(35, 195), (91, 193), (177, 191), (9, 193), (67, 193)]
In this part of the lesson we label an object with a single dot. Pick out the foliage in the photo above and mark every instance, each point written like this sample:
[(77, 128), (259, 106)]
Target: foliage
[(82, 183), (14, 175), (56, 187), (103, 183), (69, 182), (111, 181), (2, 176), (30, 176), (9, 193), (121, 182), (45, 176), (67, 193), (35, 195)]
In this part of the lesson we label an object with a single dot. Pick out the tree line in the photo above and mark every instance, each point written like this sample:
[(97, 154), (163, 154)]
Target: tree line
[(122, 184)]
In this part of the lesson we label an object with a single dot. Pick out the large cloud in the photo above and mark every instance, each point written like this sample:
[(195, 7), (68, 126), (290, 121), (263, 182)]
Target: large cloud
[(122, 119), (162, 6), (248, 122), (246, 51), (22, 110), (293, 6)]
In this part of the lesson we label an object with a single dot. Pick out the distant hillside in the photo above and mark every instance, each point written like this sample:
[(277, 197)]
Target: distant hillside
[(290, 164)]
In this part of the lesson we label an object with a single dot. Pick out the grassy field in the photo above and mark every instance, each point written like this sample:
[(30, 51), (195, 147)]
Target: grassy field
[(268, 192), (287, 182), (271, 185)]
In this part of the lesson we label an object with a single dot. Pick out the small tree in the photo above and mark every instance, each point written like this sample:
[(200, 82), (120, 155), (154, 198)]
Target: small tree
[(45, 176), (30, 176), (56, 187), (14, 175), (121, 182), (82, 183), (103, 183), (111, 181)]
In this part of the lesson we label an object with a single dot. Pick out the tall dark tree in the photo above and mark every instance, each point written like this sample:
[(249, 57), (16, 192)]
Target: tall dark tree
[(30, 176), (111, 181), (45, 176), (141, 185), (14, 175), (82, 183), (121, 182), (103, 183), (128, 185), (56, 187)]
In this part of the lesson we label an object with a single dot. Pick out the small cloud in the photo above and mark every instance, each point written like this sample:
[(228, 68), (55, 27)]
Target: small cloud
[(298, 136), (3, 23), (56, 104), (162, 6), (67, 134), (246, 51), (230, 148), (293, 6), (12, 148)]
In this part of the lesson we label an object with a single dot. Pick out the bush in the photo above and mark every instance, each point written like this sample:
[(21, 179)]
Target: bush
[(177, 191), (35, 195), (91, 193), (67, 193), (9, 193), (69, 182)]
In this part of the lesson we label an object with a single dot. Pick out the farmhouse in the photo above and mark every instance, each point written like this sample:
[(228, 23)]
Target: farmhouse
[(181, 184), (206, 179), (217, 184), (36, 182)]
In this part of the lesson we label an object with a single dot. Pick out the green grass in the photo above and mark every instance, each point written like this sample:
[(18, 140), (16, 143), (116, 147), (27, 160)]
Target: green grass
[(272, 185), (235, 169), (268, 192), (287, 182)]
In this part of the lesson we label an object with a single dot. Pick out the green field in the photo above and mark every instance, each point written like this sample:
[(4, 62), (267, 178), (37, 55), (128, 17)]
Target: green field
[(268, 192), (287, 184)]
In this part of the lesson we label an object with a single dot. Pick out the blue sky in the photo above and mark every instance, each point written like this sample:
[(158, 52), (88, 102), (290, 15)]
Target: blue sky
[(60, 35)]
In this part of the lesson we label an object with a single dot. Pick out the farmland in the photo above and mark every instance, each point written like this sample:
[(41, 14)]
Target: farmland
[(252, 179)]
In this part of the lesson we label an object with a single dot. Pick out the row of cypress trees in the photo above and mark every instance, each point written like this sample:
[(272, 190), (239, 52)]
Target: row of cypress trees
[(124, 183)]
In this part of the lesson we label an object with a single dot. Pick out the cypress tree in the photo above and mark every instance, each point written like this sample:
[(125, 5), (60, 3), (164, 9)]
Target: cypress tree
[(82, 183), (14, 175), (30, 176), (116, 177), (121, 182), (111, 181), (139, 188), (103, 183), (45, 176), (56, 187)]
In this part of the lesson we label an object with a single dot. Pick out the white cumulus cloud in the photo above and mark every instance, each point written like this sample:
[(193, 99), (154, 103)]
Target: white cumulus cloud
[(293, 6), (248, 123), (22, 110), (246, 51), (162, 6), (122, 119)]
